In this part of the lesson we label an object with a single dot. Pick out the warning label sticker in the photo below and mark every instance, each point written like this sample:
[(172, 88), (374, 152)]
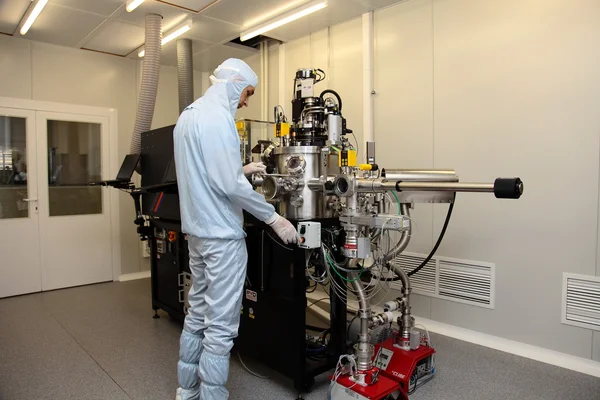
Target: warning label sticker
[(251, 295)]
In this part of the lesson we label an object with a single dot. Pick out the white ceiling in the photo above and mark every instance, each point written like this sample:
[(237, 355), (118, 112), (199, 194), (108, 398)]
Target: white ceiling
[(105, 25)]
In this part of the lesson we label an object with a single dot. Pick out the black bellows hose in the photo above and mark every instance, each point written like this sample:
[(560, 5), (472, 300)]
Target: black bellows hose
[(333, 92)]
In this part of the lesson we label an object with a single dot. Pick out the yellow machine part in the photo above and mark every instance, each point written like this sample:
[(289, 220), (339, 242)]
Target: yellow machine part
[(347, 158), (282, 129), (241, 128)]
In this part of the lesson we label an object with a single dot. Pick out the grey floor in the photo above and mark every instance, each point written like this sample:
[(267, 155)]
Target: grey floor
[(99, 342)]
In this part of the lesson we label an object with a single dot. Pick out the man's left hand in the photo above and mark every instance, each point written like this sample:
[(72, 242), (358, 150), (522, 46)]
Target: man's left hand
[(254, 168)]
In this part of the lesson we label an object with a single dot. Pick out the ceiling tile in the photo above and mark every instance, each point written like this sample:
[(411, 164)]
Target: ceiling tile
[(62, 25), (210, 59), (118, 38), (11, 13), (193, 5), (102, 7), (171, 16), (251, 13), (169, 51), (213, 30), (338, 11)]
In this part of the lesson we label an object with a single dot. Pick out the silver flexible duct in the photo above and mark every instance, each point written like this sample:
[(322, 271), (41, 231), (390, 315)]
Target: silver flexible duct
[(363, 349), (150, 72), (185, 73)]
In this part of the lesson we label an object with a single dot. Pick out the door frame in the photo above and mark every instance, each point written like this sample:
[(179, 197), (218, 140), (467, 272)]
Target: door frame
[(113, 146)]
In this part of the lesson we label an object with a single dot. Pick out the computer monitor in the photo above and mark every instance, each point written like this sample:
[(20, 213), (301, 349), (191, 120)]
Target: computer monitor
[(128, 167)]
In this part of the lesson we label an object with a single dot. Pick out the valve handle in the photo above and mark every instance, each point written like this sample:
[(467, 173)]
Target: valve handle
[(508, 188)]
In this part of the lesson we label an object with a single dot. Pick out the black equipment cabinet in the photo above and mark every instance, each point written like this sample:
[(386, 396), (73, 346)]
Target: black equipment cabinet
[(169, 267), (273, 315), (169, 263)]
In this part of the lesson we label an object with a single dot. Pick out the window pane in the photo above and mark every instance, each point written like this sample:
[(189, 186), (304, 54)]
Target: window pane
[(13, 168), (74, 160)]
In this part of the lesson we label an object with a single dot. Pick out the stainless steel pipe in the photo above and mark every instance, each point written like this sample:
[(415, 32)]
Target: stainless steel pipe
[(437, 186)]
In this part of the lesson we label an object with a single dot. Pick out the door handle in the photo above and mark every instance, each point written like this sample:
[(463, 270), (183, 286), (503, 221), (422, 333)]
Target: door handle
[(29, 200)]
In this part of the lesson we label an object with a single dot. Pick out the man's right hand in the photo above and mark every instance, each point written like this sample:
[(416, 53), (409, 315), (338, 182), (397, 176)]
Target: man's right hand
[(285, 230)]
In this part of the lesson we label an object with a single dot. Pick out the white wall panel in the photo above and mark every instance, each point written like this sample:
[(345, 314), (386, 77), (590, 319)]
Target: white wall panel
[(403, 82), (297, 55), (345, 69), (273, 79), (15, 67), (318, 56), (166, 109), (513, 96), (596, 346), (253, 111)]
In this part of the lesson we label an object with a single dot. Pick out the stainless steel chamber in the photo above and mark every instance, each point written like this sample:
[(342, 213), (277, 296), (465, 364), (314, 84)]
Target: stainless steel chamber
[(289, 189)]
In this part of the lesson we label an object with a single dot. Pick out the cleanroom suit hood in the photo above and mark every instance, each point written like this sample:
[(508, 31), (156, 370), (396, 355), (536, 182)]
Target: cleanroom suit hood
[(236, 76)]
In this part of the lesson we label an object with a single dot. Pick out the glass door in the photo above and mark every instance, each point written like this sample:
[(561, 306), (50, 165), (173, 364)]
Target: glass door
[(74, 217), (19, 241)]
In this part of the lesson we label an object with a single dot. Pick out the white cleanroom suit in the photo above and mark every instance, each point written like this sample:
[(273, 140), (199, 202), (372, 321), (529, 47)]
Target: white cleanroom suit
[(213, 191)]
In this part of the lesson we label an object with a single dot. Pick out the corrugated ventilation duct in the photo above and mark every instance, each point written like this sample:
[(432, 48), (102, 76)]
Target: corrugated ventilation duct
[(150, 72), (185, 73)]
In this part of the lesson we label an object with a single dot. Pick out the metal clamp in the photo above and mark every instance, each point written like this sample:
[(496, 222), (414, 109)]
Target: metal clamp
[(381, 221)]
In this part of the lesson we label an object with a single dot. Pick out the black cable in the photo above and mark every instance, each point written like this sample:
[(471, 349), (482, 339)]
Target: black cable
[(320, 75), (333, 92), (437, 244), (316, 301), (356, 141), (349, 325), (439, 241)]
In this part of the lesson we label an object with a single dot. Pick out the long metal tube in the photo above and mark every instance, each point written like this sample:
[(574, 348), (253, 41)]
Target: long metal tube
[(439, 186)]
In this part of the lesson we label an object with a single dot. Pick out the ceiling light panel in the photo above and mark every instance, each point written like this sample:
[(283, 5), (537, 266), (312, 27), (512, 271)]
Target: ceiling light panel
[(11, 13), (285, 18), (35, 9), (63, 26)]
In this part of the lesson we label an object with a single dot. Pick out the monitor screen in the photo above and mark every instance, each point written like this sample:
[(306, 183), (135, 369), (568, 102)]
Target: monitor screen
[(128, 167)]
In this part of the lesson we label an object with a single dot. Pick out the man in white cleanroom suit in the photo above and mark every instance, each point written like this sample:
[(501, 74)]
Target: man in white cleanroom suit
[(213, 191)]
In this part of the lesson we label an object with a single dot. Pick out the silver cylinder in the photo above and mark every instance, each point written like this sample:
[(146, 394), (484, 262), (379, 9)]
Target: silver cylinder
[(149, 86), (441, 186), (420, 175), (271, 187), (304, 165), (334, 128), (185, 73)]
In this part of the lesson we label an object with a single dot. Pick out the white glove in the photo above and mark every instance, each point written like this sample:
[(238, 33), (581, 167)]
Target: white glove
[(254, 168), (283, 228)]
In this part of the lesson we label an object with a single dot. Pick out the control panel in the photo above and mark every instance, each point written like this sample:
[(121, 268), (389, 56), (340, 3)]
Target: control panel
[(309, 235)]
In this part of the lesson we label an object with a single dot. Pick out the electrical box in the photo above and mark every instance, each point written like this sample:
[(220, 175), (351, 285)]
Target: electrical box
[(363, 247), (310, 235)]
